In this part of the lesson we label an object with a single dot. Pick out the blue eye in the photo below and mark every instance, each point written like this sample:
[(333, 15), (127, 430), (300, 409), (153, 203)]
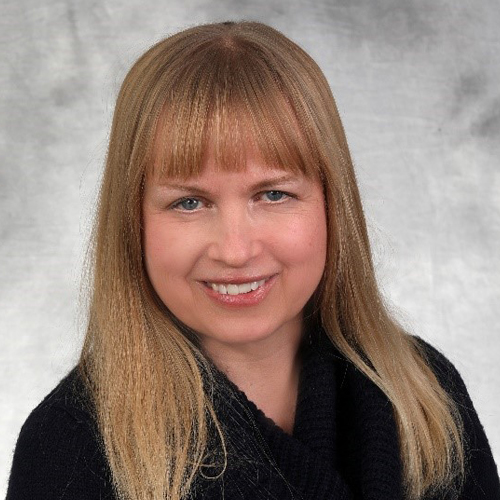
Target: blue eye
[(187, 204), (274, 195)]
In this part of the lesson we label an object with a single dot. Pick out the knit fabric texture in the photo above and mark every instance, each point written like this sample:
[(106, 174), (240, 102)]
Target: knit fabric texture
[(344, 444)]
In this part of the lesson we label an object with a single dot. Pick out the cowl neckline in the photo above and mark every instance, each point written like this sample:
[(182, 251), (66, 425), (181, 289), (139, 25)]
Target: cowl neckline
[(344, 443)]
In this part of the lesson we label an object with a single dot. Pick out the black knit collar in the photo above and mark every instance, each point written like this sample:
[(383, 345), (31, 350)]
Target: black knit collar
[(314, 426), (344, 443)]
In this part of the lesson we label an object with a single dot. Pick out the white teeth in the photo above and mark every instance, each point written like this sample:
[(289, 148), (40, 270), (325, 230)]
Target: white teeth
[(245, 288), (232, 289)]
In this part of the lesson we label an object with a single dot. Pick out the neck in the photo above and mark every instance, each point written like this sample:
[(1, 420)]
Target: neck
[(267, 372)]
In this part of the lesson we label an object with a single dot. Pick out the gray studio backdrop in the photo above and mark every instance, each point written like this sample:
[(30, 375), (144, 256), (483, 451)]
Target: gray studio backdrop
[(417, 84)]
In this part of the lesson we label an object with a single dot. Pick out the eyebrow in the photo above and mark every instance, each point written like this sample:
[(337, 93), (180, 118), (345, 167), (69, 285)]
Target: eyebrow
[(266, 183)]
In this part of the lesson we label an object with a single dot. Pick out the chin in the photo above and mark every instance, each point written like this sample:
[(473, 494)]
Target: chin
[(239, 335)]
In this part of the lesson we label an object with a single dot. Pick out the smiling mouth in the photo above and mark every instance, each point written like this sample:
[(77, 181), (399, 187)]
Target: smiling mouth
[(233, 289)]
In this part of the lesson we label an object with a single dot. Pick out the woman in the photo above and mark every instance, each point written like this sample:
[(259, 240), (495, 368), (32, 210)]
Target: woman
[(237, 345)]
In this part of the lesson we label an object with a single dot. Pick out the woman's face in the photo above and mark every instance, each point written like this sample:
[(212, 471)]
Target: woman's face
[(236, 255)]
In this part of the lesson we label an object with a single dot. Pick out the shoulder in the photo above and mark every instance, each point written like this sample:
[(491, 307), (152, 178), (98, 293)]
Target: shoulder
[(58, 453), (70, 396), (444, 370), (451, 381), (66, 409), (481, 479)]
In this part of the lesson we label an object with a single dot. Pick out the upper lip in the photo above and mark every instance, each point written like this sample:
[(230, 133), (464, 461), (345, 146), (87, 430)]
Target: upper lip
[(238, 280)]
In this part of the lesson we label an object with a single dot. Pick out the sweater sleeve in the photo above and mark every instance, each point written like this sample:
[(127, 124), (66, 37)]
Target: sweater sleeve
[(57, 456), (481, 475)]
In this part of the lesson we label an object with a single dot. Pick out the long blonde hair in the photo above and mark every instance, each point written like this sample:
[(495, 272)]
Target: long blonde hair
[(223, 83)]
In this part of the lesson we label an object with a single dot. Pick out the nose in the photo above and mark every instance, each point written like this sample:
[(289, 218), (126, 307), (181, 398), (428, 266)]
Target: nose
[(235, 239)]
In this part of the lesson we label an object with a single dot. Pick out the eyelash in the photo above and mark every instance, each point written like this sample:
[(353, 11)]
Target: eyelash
[(286, 195), (177, 204)]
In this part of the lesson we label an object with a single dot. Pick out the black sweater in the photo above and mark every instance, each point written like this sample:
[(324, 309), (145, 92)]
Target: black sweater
[(344, 443)]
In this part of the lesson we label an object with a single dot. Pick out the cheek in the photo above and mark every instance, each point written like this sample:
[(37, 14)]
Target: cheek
[(166, 253), (307, 240)]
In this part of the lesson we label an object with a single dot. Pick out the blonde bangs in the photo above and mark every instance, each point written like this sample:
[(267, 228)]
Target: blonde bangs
[(232, 105)]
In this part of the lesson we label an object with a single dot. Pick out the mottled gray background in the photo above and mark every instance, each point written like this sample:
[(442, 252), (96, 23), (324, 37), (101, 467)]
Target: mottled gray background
[(418, 86)]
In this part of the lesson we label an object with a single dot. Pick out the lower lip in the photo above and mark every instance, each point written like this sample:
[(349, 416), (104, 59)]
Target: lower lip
[(242, 299)]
